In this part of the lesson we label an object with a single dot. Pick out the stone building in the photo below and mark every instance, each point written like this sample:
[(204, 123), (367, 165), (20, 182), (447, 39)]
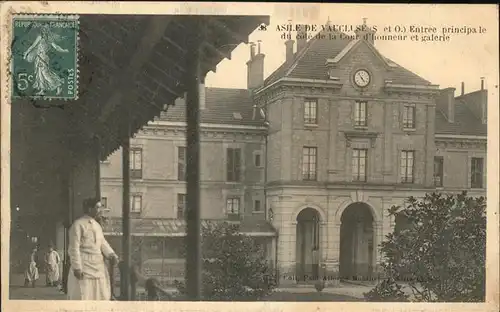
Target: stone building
[(310, 158)]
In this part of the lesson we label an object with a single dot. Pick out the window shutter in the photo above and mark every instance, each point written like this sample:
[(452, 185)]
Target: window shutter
[(237, 164)]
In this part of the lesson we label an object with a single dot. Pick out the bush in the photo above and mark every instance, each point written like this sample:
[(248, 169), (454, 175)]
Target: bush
[(386, 291), (440, 250), (234, 266)]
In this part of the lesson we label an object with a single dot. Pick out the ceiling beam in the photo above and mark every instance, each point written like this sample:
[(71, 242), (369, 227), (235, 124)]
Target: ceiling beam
[(126, 78), (214, 50), (221, 27)]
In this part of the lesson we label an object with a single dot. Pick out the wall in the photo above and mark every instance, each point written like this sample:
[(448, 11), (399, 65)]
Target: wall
[(159, 186)]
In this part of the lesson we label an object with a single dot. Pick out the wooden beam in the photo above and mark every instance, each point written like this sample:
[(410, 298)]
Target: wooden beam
[(126, 78), (217, 51), (221, 27)]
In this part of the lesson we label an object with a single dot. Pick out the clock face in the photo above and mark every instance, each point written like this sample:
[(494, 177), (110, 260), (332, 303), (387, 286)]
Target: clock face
[(362, 78)]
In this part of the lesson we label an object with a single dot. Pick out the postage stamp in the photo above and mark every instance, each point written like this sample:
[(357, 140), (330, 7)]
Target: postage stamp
[(44, 63)]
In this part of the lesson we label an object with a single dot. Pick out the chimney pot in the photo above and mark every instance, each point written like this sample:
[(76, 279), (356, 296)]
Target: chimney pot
[(463, 88), (252, 50), (258, 46), (482, 83)]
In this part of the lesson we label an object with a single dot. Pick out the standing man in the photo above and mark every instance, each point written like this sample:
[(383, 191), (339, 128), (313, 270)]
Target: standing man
[(31, 273), (52, 261), (88, 277)]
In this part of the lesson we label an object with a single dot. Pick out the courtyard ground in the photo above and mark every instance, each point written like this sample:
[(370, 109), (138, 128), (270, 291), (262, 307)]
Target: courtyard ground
[(345, 292)]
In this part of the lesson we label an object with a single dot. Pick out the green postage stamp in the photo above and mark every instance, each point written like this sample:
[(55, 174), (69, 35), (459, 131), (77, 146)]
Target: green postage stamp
[(45, 57)]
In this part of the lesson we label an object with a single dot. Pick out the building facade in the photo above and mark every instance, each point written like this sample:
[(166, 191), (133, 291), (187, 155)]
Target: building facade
[(311, 158)]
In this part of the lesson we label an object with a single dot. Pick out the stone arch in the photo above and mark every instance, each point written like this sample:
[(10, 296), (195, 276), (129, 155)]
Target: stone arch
[(318, 209), (349, 202)]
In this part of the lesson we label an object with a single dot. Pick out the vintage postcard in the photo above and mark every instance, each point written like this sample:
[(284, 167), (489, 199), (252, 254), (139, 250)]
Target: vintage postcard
[(249, 156)]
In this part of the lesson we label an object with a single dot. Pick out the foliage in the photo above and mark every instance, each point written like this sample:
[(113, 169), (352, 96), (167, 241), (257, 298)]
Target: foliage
[(387, 291), (441, 250), (234, 266)]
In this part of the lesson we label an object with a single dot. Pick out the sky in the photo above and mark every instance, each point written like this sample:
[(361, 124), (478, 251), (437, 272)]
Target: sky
[(463, 58)]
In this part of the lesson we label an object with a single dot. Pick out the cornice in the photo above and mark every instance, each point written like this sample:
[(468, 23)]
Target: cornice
[(460, 143), (395, 88)]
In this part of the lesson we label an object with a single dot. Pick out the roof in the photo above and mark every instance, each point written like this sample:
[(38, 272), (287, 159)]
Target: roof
[(177, 227), (466, 121), (222, 106), (309, 63)]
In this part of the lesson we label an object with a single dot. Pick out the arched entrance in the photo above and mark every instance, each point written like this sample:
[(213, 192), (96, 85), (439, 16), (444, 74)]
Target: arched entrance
[(307, 248), (356, 242)]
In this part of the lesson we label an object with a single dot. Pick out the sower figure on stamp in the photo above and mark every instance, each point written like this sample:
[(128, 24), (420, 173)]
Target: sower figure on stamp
[(52, 261), (88, 277), (38, 53)]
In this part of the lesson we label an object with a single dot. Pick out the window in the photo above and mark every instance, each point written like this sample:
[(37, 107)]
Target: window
[(310, 112), (309, 158), (181, 163), (438, 171), (256, 205), (233, 208), (136, 203), (233, 164), (409, 117), (257, 160), (136, 163), (476, 177), (181, 206), (407, 165), (359, 157), (360, 119)]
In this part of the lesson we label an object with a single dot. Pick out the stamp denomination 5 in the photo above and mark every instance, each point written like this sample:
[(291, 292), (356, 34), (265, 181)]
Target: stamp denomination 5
[(45, 57)]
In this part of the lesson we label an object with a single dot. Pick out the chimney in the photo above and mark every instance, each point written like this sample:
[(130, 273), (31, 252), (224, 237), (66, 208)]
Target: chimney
[(289, 49), (463, 88), (202, 96), (484, 102), (364, 32), (446, 103), (255, 67), (301, 37)]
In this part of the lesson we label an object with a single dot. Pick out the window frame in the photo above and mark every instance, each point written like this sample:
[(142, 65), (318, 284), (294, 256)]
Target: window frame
[(357, 177), (180, 206), (477, 177), (309, 174), (233, 167), (404, 176), (438, 161), (132, 203), (409, 123), (181, 163), (136, 173), (310, 111), (255, 201), (230, 200), (358, 121)]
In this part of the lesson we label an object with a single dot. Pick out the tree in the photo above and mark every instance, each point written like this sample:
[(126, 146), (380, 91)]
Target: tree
[(441, 250), (234, 266)]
